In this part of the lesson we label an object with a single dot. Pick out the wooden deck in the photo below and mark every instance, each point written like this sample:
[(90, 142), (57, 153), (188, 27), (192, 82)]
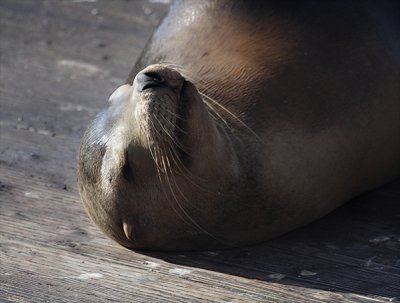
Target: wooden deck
[(60, 60)]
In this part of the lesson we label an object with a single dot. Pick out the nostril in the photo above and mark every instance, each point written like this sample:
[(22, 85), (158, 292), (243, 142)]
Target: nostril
[(149, 79), (154, 76)]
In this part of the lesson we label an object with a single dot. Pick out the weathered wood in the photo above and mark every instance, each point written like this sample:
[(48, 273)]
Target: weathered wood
[(59, 62)]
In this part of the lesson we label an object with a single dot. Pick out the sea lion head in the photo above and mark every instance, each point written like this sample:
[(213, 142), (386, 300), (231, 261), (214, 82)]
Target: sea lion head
[(154, 165)]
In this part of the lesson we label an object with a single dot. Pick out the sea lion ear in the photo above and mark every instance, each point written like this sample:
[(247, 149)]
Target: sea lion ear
[(121, 93)]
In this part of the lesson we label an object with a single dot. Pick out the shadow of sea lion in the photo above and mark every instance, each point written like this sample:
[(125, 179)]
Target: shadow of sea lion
[(355, 249)]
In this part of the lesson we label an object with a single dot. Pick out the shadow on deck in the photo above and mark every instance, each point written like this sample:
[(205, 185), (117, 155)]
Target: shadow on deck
[(355, 249)]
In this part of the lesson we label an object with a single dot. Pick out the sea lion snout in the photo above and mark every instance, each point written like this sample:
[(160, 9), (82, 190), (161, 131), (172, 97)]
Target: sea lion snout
[(157, 102), (158, 75), (148, 80)]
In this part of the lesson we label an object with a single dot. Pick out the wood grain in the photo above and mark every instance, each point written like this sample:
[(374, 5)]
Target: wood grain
[(60, 60)]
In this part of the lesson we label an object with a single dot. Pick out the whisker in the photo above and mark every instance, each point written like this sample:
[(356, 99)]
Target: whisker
[(175, 198), (188, 174), (200, 82), (195, 224), (173, 124), (176, 157), (216, 112), (174, 140), (153, 155), (232, 114), (181, 193), (180, 165), (159, 153)]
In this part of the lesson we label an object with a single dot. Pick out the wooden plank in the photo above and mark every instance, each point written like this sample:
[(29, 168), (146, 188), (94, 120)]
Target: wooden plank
[(59, 62)]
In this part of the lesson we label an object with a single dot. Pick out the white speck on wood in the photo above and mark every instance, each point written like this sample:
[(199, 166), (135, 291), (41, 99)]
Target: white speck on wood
[(151, 264), (80, 1), (160, 1), (276, 276), (307, 273), (30, 194), (331, 246), (180, 271), (379, 239), (69, 107), (83, 67), (88, 276), (368, 262)]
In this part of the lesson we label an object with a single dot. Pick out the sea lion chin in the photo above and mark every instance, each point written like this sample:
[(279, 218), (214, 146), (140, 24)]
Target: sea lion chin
[(243, 120)]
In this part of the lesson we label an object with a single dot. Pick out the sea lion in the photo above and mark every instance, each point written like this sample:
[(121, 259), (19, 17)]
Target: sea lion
[(244, 120)]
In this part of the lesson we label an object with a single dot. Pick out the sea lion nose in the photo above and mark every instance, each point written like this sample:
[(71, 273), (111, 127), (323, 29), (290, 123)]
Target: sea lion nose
[(149, 79), (158, 75)]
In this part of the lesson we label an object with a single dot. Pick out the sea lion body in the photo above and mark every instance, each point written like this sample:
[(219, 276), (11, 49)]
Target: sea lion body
[(244, 120)]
